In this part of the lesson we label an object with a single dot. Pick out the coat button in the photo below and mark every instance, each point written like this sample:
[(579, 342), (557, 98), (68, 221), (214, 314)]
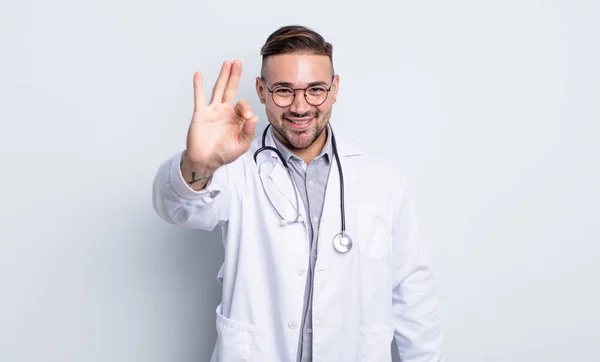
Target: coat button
[(301, 271), (292, 324)]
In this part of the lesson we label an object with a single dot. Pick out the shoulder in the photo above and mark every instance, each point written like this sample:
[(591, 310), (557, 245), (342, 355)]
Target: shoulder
[(376, 168), (373, 158)]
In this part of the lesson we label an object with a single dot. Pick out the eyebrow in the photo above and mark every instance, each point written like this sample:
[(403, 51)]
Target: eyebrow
[(288, 84)]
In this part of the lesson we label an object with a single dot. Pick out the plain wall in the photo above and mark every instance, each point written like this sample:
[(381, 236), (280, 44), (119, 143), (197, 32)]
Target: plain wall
[(491, 108)]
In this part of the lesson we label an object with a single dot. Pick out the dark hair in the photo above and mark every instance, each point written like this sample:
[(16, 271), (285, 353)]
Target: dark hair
[(295, 39)]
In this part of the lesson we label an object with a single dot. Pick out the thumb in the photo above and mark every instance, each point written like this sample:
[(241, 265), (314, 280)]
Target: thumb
[(248, 129)]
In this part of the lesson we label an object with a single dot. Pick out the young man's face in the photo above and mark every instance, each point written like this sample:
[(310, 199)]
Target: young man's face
[(295, 119)]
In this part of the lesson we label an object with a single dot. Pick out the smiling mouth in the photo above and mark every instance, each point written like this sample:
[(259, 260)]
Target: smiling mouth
[(296, 118), (300, 121)]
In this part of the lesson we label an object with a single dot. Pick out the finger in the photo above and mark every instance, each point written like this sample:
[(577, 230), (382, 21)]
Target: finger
[(233, 82), (199, 98), (248, 129), (244, 109), (219, 88)]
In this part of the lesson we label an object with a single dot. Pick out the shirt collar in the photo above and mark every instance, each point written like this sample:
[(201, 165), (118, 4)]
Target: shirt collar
[(288, 154)]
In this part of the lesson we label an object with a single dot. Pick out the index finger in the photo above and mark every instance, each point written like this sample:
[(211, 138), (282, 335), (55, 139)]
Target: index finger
[(199, 98)]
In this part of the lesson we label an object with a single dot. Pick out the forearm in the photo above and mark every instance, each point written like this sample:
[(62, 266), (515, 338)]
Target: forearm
[(418, 330)]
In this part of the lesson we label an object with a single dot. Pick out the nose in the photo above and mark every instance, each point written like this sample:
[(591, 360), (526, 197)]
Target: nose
[(300, 105)]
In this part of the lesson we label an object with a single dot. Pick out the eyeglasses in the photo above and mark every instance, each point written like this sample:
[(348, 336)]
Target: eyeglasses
[(284, 96)]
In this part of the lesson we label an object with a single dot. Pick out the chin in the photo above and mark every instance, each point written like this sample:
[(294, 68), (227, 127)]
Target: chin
[(302, 140)]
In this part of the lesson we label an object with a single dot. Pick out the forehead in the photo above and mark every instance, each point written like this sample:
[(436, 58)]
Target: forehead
[(298, 68)]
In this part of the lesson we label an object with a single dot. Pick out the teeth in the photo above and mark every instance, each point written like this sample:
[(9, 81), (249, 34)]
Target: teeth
[(299, 122)]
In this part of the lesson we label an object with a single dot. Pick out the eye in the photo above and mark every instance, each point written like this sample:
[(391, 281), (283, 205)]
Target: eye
[(284, 92), (315, 91)]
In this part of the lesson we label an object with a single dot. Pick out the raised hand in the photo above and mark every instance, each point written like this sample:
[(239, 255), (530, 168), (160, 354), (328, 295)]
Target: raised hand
[(219, 132)]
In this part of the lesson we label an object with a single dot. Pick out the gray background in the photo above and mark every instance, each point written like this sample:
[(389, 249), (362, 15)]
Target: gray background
[(491, 108)]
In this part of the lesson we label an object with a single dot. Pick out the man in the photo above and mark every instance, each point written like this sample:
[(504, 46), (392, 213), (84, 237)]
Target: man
[(322, 257)]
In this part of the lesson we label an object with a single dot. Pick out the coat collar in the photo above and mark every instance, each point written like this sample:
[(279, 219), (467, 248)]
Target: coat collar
[(346, 146), (271, 168)]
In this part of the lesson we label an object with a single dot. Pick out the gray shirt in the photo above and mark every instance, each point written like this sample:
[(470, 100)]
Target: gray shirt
[(311, 181)]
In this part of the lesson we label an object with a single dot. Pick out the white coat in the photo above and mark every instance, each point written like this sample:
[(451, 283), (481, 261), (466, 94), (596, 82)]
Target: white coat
[(381, 290)]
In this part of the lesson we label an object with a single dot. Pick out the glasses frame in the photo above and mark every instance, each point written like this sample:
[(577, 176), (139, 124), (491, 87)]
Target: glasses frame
[(296, 90)]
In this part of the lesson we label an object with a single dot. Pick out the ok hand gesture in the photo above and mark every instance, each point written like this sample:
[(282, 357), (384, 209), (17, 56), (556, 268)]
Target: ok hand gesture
[(219, 132)]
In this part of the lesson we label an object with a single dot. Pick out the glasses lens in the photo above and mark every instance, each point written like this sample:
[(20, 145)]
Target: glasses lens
[(283, 96), (316, 95)]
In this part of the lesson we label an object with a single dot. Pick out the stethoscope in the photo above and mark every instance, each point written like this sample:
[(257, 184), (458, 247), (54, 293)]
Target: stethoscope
[(341, 241)]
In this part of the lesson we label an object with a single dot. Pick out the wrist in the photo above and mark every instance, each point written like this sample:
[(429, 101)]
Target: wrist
[(202, 169), (196, 175)]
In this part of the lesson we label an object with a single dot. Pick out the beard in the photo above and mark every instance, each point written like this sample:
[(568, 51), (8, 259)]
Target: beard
[(299, 139)]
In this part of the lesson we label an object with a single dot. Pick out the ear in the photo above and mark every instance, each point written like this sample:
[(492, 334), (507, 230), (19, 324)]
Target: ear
[(334, 87), (260, 90)]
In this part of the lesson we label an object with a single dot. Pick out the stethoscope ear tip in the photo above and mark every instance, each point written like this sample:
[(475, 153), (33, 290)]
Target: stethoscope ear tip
[(284, 222)]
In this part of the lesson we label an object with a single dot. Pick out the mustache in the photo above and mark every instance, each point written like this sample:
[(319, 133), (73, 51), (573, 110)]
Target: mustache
[(300, 115)]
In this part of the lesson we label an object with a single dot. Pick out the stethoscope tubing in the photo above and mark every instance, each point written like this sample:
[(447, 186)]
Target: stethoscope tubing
[(264, 147)]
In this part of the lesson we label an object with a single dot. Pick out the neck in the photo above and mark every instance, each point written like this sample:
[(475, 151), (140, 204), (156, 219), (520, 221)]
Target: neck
[(307, 154)]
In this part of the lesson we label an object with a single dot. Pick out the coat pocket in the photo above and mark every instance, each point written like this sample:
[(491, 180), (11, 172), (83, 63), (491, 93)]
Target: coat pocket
[(376, 343), (374, 234), (235, 340)]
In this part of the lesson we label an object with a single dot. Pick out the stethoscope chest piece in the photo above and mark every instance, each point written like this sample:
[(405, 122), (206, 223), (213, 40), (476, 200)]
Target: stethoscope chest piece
[(342, 243)]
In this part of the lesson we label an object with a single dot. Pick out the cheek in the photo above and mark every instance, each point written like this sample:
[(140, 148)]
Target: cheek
[(273, 111), (324, 108)]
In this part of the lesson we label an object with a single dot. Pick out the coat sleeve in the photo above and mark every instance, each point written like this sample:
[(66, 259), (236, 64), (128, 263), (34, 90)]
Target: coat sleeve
[(175, 202), (418, 332)]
